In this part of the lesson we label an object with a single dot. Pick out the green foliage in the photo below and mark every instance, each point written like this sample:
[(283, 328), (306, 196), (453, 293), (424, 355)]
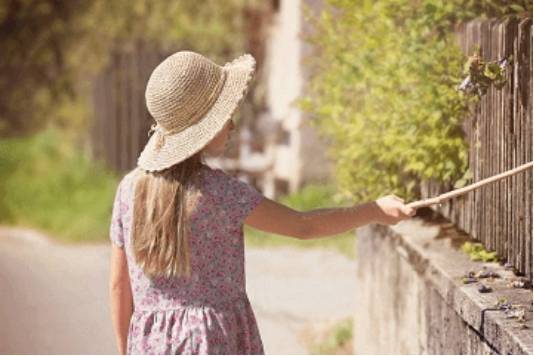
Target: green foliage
[(37, 39), (337, 341), (47, 184), (212, 27), (384, 91), (497, 8), (51, 49), (310, 197), (476, 252), (464, 179), (481, 75), (313, 196)]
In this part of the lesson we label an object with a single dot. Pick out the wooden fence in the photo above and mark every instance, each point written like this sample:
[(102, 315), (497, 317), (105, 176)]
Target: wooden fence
[(500, 138), (121, 120)]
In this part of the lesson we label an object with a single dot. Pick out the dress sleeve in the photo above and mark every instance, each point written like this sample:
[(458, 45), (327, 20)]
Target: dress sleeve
[(115, 230), (241, 198)]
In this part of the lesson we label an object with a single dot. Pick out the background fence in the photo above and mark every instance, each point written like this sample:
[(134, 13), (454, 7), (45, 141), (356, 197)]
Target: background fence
[(121, 120), (500, 138)]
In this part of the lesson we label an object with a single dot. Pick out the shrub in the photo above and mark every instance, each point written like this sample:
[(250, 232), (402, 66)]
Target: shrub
[(477, 252), (383, 91), (46, 183)]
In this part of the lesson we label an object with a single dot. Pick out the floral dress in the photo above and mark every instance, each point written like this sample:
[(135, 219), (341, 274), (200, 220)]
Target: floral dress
[(210, 313)]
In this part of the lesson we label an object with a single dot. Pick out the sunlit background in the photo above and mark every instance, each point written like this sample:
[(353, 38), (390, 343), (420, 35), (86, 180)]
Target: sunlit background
[(352, 100)]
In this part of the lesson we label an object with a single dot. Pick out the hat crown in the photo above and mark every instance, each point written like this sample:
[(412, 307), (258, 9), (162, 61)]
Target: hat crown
[(182, 88)]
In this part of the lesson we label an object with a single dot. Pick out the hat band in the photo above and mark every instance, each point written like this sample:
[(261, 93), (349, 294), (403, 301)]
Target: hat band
[(195, 117)]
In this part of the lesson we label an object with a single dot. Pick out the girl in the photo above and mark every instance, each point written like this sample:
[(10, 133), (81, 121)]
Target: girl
[(177, 280)]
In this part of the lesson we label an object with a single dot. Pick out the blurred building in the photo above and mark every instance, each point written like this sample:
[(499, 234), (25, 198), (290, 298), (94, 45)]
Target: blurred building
[(278, 150)]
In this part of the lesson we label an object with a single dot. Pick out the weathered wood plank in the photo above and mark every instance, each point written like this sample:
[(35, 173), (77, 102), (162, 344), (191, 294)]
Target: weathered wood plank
[(510, 33)]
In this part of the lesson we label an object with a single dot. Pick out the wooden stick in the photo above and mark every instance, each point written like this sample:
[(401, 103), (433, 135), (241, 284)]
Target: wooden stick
[(460, 191)]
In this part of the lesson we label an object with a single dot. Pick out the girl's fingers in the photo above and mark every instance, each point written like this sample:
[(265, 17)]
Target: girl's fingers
[(409, 211)]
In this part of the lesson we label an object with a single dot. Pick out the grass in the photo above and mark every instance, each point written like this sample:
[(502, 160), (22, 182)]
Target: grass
[(48, 185), (477, 252), (310, 197), (338, 340), (342, 243)]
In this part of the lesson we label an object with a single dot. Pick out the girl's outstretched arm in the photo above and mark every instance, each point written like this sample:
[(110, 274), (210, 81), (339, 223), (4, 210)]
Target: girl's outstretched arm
[(120, 293), (276, 218)]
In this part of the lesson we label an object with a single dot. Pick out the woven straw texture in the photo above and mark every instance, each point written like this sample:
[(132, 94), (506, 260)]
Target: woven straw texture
[(191, 98)]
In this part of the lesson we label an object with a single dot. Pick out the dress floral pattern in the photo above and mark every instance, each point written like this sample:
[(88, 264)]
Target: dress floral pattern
[(210, 313)]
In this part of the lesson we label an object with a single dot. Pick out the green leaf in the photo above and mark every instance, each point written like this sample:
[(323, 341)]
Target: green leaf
[(517, 7), (459, 183), (468, 174)]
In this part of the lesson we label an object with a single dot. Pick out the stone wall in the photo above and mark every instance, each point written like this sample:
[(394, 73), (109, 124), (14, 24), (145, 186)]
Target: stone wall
[(411, 299)]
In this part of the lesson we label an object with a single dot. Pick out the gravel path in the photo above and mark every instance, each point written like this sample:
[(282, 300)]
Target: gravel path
[(54, 297)]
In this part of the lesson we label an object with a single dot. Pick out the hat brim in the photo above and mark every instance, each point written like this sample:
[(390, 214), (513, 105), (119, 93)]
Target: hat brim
[(186, 143)]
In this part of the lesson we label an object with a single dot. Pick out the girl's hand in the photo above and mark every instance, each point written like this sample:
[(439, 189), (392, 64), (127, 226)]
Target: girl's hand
[(391, 210)]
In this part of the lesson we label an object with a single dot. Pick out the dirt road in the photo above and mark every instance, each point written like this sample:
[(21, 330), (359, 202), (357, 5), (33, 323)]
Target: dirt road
[(54, 298)]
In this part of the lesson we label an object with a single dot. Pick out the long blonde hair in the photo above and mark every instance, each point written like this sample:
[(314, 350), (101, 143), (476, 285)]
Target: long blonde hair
[(159, 230)]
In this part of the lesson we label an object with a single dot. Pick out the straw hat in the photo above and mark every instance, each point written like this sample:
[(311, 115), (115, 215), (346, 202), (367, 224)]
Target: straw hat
[(191, 98)]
